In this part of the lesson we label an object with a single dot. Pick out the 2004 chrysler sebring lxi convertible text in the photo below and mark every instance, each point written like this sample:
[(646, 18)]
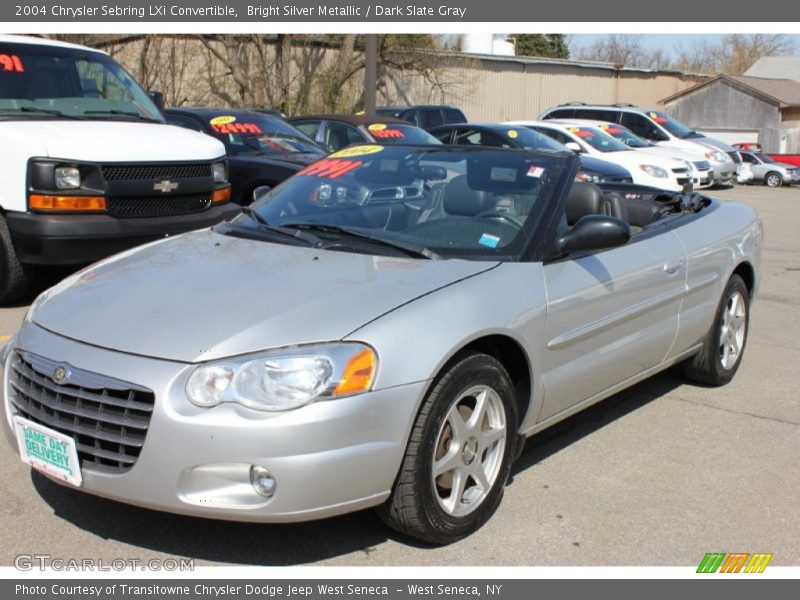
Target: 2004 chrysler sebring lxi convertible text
[(383, 329)]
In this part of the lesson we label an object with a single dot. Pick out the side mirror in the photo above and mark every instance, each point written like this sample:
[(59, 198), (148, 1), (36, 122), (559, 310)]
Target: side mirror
[(158, 99), (574, 146), (260, 192), (654, 135), (594, 232)]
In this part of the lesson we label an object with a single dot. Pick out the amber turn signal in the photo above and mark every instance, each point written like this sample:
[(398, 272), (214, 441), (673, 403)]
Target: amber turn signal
[(357, 375), (67, 203), (221, 195)]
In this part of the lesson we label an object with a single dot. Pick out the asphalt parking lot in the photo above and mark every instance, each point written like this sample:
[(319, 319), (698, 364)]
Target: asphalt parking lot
[(657, 475)]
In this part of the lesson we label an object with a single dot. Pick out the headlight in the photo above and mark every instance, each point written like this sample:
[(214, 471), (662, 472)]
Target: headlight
[(40, 299), (220, 171), (588, 177), (654, 171), (67, 178), (717, 156), (285, 379), (5, 350)]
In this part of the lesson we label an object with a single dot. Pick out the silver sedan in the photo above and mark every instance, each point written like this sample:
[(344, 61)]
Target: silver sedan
[(382, 330), (769, 171)]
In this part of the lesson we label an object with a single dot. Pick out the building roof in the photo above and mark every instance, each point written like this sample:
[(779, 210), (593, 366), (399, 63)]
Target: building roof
[(776, 67), (784, 93)]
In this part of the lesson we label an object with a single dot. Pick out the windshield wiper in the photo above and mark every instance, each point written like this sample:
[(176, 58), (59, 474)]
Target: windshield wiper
[(297, 234), (407, 248), (41, 111), (122, 113)]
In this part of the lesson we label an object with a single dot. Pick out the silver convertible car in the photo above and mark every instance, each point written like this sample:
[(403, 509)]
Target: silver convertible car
[(384, 329)]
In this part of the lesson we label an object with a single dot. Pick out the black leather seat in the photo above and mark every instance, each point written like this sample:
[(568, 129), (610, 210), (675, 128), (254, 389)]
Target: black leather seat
[(462, 200)]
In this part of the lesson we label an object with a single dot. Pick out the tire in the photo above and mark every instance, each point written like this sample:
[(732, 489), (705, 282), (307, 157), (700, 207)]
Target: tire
[(444, 507), (773, 179), (718, 360), (15, 278)]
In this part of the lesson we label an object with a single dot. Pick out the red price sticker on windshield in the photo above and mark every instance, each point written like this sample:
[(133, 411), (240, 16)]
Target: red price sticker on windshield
[(331, 168), (237, 128), (584, 133), (382, 134), (11, 62)]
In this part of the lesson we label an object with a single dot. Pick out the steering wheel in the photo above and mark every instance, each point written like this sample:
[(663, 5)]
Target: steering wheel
[(501, 216)]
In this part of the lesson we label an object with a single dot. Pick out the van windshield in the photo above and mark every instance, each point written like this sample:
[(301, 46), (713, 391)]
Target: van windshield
[(675, 127), (51, 82)]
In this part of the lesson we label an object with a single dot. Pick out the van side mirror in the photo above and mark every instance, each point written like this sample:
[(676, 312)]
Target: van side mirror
[(158, 99), (654, 135), (594, 232), (574, 146)]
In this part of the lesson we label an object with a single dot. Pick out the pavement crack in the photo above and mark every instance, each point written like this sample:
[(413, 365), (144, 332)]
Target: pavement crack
[(735, 412)]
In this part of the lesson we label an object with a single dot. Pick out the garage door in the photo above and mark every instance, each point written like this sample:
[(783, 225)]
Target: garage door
[(732, 136)]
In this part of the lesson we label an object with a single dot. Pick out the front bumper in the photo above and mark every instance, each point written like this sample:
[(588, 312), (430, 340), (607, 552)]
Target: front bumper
[(724, 172), (78, 239), (327, 458)]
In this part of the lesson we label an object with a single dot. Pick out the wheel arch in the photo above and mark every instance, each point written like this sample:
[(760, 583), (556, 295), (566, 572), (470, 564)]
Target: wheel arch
[(746, 271)]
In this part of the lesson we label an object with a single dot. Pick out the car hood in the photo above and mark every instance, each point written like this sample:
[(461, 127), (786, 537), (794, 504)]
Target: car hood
[(204, 295), (112, 140)]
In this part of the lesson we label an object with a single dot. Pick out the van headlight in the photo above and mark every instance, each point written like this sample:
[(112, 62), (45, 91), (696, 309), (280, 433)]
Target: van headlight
[(717, 156), (220, 171), (654, 171), (281, 380)]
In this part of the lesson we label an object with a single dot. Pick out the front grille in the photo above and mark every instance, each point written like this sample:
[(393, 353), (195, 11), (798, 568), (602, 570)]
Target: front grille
[(735, 156), (107, 418), (680, 171), (157, 206), (683, 180), (159, 171)]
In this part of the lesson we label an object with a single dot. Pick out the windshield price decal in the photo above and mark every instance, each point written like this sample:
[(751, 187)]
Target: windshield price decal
[(380, 134), (237, 128), (583, 133), (357, 151), (377, 127), (331, 168), (222, 120), (11, 62)]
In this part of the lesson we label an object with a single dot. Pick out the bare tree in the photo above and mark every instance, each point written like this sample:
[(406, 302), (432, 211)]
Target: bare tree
[(734, 54)]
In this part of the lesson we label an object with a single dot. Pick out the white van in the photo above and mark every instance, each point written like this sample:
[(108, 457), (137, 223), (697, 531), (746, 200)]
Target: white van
[(88, 166)]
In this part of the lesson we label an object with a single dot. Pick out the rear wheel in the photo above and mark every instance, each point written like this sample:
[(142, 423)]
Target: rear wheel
[(721, 354), (15, 278), (773, 179), (458, 456)]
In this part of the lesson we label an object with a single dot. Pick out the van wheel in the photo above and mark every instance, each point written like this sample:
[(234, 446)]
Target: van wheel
[(15, 278), (721, 354), (459, 454), (773, 179)]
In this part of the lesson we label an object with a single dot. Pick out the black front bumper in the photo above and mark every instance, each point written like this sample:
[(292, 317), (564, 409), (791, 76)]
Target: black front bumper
[(76, 239)]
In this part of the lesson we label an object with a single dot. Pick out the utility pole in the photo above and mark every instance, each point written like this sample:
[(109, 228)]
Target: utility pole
[(370, 74)]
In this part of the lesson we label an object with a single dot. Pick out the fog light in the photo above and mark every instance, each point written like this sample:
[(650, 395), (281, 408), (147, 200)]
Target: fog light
[(263, 483)]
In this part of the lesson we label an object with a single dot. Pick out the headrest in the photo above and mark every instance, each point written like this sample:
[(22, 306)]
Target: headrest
[(583, 199), (460, 199)]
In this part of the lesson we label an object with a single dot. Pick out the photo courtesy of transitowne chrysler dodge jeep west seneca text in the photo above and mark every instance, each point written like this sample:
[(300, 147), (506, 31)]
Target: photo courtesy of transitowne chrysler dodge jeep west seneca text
[(413, 313)]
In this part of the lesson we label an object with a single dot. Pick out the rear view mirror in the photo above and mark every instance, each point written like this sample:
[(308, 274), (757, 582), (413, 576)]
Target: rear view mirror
[(432, 172), (594, 232), (574, 146), (158, 99), (260, 192)]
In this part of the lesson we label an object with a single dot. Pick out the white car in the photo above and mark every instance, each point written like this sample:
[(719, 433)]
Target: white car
[(653, 171), (702, 173)]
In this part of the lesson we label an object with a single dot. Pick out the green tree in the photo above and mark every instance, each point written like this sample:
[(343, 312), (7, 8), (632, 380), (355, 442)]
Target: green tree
[(549, 45)]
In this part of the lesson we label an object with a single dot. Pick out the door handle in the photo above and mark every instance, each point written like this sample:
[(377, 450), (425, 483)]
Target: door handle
[(673, 266)]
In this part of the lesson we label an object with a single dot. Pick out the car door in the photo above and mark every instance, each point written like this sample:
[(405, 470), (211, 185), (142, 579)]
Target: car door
[(611, 315)]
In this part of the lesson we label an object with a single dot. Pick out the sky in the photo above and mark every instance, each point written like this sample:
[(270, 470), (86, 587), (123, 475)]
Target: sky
[(667, 42)]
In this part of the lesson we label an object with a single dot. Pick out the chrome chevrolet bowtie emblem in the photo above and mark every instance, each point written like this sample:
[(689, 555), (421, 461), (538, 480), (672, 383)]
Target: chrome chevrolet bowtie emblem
[(165, 185), (60, 374)]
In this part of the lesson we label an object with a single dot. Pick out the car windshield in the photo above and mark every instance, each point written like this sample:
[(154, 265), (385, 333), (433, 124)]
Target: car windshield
[(534, 140), (413, 201), (676, 128), (597, 139), (256, 133), (626, 136), (397, 133), (50, 82)]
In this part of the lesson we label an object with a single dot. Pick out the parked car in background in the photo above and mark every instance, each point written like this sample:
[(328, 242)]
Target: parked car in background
[(336, 131), (654, 171), (769, 171), (406, 310), (87, 164), (263, 150), (591, 169), (702, 174), (272, 112), (659, 128), (754, 147), (424, 115)]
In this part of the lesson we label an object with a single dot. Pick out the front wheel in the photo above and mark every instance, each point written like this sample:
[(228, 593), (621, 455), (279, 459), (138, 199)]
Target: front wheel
[(773, 179), (15, 277), (458, 456), (718, 360)]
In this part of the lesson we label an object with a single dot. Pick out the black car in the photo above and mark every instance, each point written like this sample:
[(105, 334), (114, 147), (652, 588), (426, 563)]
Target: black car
[(510, 136), (426, 116), (263, 150), (339, 131)]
